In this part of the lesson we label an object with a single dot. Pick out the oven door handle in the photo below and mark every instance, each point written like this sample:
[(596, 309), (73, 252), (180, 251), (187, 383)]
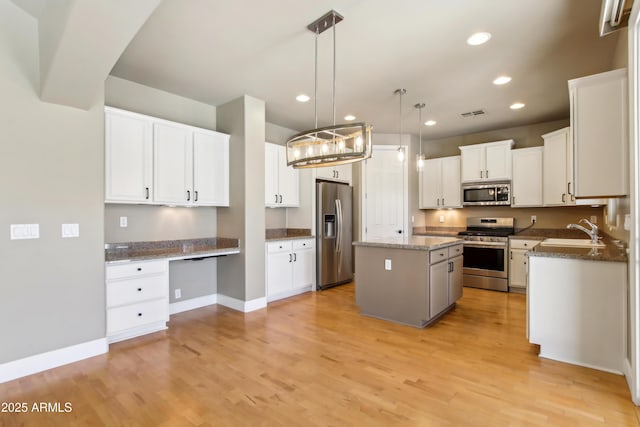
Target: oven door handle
[(485, 244)]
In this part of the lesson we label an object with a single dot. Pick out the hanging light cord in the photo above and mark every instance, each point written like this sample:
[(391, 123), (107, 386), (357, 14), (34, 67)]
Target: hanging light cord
[(334, 70), (420, 128), (315, 96), (400, 139)]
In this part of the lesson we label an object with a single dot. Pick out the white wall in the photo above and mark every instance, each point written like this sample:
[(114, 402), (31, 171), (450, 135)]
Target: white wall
[(51, 158)]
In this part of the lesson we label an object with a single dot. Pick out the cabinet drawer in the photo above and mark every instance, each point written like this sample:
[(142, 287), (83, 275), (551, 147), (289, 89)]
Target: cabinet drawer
[(523, 244), (136, 290), (438, 255), (455, 250), (132, 316), (303, 244), (136, 269), (276, 247)]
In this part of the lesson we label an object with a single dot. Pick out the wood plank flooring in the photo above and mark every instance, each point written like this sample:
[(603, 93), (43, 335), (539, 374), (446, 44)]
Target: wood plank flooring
[(313, 360)]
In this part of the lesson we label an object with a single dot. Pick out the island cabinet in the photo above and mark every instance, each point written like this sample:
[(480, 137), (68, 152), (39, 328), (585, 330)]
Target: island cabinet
[(413, 281)]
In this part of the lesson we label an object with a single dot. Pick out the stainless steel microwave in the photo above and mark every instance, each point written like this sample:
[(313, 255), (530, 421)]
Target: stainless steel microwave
[(493, 194)]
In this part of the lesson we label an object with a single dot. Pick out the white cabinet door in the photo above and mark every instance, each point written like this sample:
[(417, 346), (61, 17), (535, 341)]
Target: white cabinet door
[(341, 173), (279, 267), (210, 169), (451, 193), (271, 170), (344, 172), (327, 172), (430, 184), (498, 162), (518, 268), (555, 172), (172, 164), (472, 163), (128, 158), (288, 181), (303, 271), (526, 186), (455, 279), (599, 127), (438, 288)]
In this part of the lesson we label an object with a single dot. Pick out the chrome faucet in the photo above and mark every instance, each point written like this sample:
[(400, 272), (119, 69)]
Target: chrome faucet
[(593, 233)]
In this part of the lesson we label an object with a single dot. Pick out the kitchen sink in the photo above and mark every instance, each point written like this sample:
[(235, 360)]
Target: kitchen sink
[(576, 243)]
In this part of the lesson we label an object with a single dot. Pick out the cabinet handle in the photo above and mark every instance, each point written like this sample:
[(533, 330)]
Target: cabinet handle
[(337, 174), (188, 195), (139, 268), (486, 174), (514, 200), (139, 289), (281, 198), (139, 314), (276, 198), (568, 188), (146, 189), (295, 257), (564, 198), (481, 174), (443, 201), (195, 196), (510, 254), (290, 257), (438, 202)]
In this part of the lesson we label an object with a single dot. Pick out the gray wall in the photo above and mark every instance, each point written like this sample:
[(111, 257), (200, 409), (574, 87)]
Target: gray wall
[(194, 278), (242, 276), (52, 288), (158, 222)]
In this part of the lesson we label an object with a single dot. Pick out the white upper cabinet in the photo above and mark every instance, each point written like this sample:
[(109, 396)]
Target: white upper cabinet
[(340, 173), (486, 162), (155, 161), (557, 177), (439, 183), (282, 182), (599, 126), (526, 186), (128, 157)]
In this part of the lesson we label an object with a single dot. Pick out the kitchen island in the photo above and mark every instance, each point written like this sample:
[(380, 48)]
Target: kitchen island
[(410, 280)]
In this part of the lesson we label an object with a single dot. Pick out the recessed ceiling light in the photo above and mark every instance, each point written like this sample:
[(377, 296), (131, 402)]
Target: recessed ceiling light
[(349, 117), (502, 80), (430, 122), (478, 39), (302, 98), (517, 105)]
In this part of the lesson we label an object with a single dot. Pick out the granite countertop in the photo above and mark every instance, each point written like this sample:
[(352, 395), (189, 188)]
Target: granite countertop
[(437, 231), (546, 233), (287, 233), (170, 249), (424, 243)]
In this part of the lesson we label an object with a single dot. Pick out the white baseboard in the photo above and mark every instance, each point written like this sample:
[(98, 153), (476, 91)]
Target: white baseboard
[(193, 303), (244, 306), (290, 293), (564, 359), (51, 359), (136, 332)]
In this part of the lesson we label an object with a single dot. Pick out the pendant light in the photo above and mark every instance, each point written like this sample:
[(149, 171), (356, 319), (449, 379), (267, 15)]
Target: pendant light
[(401, 156), (420, 159), (330, 145)]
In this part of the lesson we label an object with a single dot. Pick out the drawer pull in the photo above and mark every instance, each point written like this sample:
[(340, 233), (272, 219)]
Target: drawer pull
[(139, 268), (441, 254), (139, 314), (139, 289)]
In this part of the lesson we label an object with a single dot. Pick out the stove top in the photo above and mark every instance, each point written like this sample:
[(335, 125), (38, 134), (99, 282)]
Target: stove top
[(488, 229), (496, 233)]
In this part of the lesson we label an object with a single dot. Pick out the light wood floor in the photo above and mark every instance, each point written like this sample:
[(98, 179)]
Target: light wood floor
[(313, 360)]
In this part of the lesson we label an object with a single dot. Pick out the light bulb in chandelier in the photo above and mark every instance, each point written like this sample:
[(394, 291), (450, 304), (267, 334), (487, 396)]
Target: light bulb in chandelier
[(359, 142), (401, 154), (420, 162)]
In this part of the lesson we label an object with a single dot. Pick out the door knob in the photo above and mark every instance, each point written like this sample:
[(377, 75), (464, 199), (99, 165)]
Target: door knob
[(399, 231)]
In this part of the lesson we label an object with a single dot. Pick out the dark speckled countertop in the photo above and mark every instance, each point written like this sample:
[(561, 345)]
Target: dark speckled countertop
[(287, 233), (171, 249)]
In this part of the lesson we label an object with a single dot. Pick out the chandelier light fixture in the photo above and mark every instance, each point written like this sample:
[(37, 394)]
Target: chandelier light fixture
[(329, 145), (420, 159), (401, 156)]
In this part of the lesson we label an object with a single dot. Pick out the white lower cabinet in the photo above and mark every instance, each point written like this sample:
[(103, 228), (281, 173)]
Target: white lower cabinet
[(290, 267), (137, 298), (445, 278), (518, 249)]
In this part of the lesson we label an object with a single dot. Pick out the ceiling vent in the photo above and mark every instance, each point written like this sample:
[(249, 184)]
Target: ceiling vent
[(614, 15), (473, 113)]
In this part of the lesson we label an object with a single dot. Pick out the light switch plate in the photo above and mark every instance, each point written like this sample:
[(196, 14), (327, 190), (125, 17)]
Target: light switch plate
[(24, 231), (593, 219), (70, 230), (178, 293), (627, 222), (441, 218), (387, 264)]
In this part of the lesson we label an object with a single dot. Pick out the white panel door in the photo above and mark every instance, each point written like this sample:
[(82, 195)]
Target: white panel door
[(554, 182), (344, 172), (271, 170), (385, 194), (128, 158), (451, 193), (172, 161), (472, 164), (430, 184), (210, 169), (527, 177), (288, 180)]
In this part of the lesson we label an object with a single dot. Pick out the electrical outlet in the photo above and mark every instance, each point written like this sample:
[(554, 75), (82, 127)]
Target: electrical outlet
[(593, 219), (534, 218), (412, 219), (123, 222), (387, 264), (178, 293), (441, 218)]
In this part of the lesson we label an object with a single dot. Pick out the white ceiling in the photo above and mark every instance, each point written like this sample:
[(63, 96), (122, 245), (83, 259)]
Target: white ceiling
[(217, 50)]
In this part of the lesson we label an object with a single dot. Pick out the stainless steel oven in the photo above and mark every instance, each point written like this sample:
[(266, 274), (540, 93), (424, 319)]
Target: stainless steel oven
[(485, 262), (494, 194)]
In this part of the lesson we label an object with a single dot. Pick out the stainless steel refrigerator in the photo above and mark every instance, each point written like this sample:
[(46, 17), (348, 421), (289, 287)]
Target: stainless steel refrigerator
[(333, 234)]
